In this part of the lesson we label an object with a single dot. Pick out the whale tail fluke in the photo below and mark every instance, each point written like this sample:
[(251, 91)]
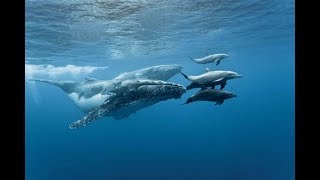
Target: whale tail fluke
[(67, 86), (192, 59), (193, 85)]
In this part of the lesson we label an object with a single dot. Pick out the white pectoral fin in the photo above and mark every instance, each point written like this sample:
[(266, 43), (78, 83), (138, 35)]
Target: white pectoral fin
[(96, 113)]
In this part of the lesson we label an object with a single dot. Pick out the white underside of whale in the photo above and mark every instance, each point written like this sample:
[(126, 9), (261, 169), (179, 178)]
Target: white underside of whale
[(87, 104)]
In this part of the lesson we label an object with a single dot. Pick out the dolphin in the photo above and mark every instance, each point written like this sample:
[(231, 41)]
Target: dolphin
[(211, 79), (214, 58), (212, 95), (132, 95), (92, 92)]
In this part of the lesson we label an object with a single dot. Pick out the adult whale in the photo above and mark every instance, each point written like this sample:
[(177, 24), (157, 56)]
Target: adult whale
[(211, 79), (211, 95), (214, 58), (159, 72), (91, 92), (130, 96)]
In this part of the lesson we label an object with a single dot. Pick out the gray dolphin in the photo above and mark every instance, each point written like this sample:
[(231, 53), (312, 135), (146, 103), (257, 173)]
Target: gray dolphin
[(214, 58), (130, 96), (211, 79), (212, 95)]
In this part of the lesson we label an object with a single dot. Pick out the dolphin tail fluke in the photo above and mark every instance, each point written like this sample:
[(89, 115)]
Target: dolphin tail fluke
[(66, 86), (193, 59), (192, 85), (184, 75)]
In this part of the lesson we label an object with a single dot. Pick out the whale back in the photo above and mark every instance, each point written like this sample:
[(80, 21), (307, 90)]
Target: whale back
[(160, 72)]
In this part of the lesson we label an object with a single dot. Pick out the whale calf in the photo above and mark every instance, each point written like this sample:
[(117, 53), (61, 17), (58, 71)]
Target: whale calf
[(211, 95), (130, 96), (214, 58), (211, 79)]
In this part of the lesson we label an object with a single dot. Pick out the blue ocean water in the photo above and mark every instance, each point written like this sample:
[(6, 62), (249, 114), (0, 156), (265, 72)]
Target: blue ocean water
[(250, 137)]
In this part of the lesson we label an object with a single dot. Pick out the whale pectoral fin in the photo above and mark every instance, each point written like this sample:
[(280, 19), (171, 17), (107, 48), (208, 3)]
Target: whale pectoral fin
[(92, 115), (109, 105), (218, 62)]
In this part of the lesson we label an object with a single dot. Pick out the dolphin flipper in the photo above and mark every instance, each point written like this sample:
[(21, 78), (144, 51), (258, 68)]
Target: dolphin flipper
[(223, 84), (219, 102), (67, 86), (218, 62)]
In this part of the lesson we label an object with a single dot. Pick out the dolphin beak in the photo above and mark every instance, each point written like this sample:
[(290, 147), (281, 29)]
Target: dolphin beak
[(239, 76)]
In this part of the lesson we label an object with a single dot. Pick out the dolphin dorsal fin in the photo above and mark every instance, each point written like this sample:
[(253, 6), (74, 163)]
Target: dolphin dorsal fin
[(207, 70), (89, 79)]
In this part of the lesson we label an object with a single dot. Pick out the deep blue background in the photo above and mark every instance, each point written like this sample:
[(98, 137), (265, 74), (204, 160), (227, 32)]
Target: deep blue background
[(250, 137)]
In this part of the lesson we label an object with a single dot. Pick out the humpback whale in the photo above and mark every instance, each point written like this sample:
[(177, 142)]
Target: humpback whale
[(212, 95), (122, 95), (214, 58), (211, 79), (130, 96), (92, 92)]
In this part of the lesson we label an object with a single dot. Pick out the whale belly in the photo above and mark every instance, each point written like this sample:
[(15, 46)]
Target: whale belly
[(87, 104)]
